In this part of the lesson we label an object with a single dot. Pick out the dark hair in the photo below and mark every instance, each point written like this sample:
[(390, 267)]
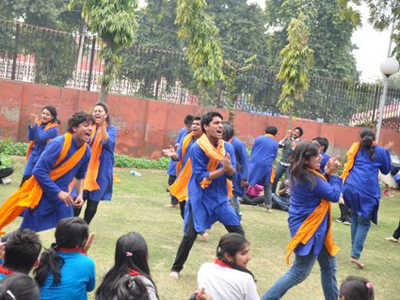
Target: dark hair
[(20, 287), (207, 118), (105, 107), (228, 132), (323, 142), (357, 288), (299, 164), (78, 118), (70, 233), (271, 130), (367, 138), (232, 243), (130, 253), (53, 112), (188, 120), (300, 131), (22, 250)]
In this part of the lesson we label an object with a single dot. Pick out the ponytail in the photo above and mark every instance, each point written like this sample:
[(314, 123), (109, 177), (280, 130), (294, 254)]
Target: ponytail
[(50, 261), (367, 138)]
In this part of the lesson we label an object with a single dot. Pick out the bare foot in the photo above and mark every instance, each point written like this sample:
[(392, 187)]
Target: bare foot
[(174, 275), (269, 210), (205, 237), (357, 262), (391, 239)]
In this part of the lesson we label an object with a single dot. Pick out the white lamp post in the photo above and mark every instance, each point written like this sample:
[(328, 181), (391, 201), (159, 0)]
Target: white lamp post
[(388, 67)]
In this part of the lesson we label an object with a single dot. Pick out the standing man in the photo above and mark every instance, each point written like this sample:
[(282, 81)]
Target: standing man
[(288, 143), (263, 154), (213, 162), (45, 196), (171, 171)]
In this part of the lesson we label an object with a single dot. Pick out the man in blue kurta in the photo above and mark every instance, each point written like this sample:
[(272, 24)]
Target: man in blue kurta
[(242, 171), (171, 171), (263, 154), (56, 202), (213, 162)]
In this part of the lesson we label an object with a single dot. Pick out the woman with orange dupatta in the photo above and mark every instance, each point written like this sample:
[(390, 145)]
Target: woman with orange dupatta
[(40, 132), (310, 222), (100, 176), (361, 191)]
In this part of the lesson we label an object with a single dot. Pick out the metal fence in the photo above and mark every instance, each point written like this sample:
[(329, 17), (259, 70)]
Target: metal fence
[(33, 54)]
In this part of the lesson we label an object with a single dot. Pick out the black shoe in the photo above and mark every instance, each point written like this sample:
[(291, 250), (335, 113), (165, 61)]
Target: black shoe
[(339, 220), (347, 221)]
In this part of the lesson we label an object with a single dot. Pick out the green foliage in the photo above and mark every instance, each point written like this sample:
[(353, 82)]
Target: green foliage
[(297, 59), (203, 52), (6, 162), (124, 161), (10, 148)]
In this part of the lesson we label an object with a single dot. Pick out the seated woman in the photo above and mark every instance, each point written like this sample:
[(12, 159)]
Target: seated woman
[(280, 201), (227, 277)]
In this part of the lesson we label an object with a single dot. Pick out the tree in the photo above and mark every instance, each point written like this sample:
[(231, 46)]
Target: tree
[(203, 52), (295, 67), (115, 23)]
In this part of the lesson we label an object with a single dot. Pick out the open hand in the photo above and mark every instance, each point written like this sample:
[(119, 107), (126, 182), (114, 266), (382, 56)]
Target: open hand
[(389, 145), (332, 165), (66, 198)]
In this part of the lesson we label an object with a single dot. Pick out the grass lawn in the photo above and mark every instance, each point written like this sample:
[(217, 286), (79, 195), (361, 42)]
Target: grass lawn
[(139, 204)]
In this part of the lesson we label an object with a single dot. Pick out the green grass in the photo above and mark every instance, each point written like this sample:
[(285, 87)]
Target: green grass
[(139, 205)]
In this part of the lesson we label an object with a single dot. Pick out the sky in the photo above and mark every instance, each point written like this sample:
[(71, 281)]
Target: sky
[(372, 45)]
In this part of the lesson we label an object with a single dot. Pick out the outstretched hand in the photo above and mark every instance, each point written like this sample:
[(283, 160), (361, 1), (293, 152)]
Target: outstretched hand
[(169, 152), (389, 145), (89, 242), (332, 166)]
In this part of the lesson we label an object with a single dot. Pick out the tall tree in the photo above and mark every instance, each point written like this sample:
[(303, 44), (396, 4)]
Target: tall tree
[(297, 58), (115, 23)]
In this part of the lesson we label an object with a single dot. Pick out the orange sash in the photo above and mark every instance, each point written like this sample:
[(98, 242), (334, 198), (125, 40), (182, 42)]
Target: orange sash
[(311, 224), (96, 147), (30, 193), (185, 143), (272, 178), (351, 156), (216, 154), (32, 143)]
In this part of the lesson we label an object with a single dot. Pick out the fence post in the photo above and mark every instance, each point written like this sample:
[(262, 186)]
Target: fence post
[(158, 76), (14, 64), (91, 62)]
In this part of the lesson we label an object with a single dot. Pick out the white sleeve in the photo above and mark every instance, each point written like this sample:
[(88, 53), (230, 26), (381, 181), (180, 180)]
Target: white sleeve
[(251, 289)]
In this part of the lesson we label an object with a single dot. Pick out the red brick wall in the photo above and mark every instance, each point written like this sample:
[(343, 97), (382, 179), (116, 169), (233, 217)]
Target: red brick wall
[(146, 126)]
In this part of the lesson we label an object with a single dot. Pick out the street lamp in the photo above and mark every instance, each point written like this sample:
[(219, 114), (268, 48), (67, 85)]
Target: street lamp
[(388, 67)]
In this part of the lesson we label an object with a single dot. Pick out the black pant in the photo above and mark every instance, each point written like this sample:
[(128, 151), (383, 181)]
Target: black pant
[(182, 206), (171, 180), (396, 233), (6, 172), (90, 211), (344, 212), (279, 171), (188, 239)]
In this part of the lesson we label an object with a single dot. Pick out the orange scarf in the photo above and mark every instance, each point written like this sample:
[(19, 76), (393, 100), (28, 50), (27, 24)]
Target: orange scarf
[(32, 143), (311, 224), (96, 147), (185, 143), (351, 156), (272, 178), (215, 154), (30, 193)]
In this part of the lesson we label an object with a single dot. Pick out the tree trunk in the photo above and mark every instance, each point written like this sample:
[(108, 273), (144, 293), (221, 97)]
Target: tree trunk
[(103, 95), (290, 119)]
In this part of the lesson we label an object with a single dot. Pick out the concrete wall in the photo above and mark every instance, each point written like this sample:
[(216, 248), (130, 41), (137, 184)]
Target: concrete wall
[(146, 126)]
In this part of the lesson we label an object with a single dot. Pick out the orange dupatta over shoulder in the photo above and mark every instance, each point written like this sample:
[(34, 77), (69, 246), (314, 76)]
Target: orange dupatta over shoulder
[(96, 147), (32, 143), (311, 224), (215, 154), (272, 178), (30, 193)]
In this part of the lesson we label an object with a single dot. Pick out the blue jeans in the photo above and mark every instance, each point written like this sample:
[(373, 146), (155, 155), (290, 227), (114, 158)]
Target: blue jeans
[(299, 272), (359, 230), (236, 205)]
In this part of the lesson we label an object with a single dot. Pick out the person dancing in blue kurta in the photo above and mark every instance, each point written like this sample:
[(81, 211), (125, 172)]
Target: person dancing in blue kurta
[(213, 162), (361, 191), (310, 221), (263, 154), (45, 196), (240, 181), (40, 132), (100, 175)]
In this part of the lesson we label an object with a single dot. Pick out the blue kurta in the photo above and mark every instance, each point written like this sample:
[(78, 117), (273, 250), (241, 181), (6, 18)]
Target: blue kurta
[(210, 204), (105, 178), (361, 191), (324, 161), (172, 164), (242, 169), (50, 208), (263, 154), (187, 153), (77, 278), (36, 133), (303, 201)]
